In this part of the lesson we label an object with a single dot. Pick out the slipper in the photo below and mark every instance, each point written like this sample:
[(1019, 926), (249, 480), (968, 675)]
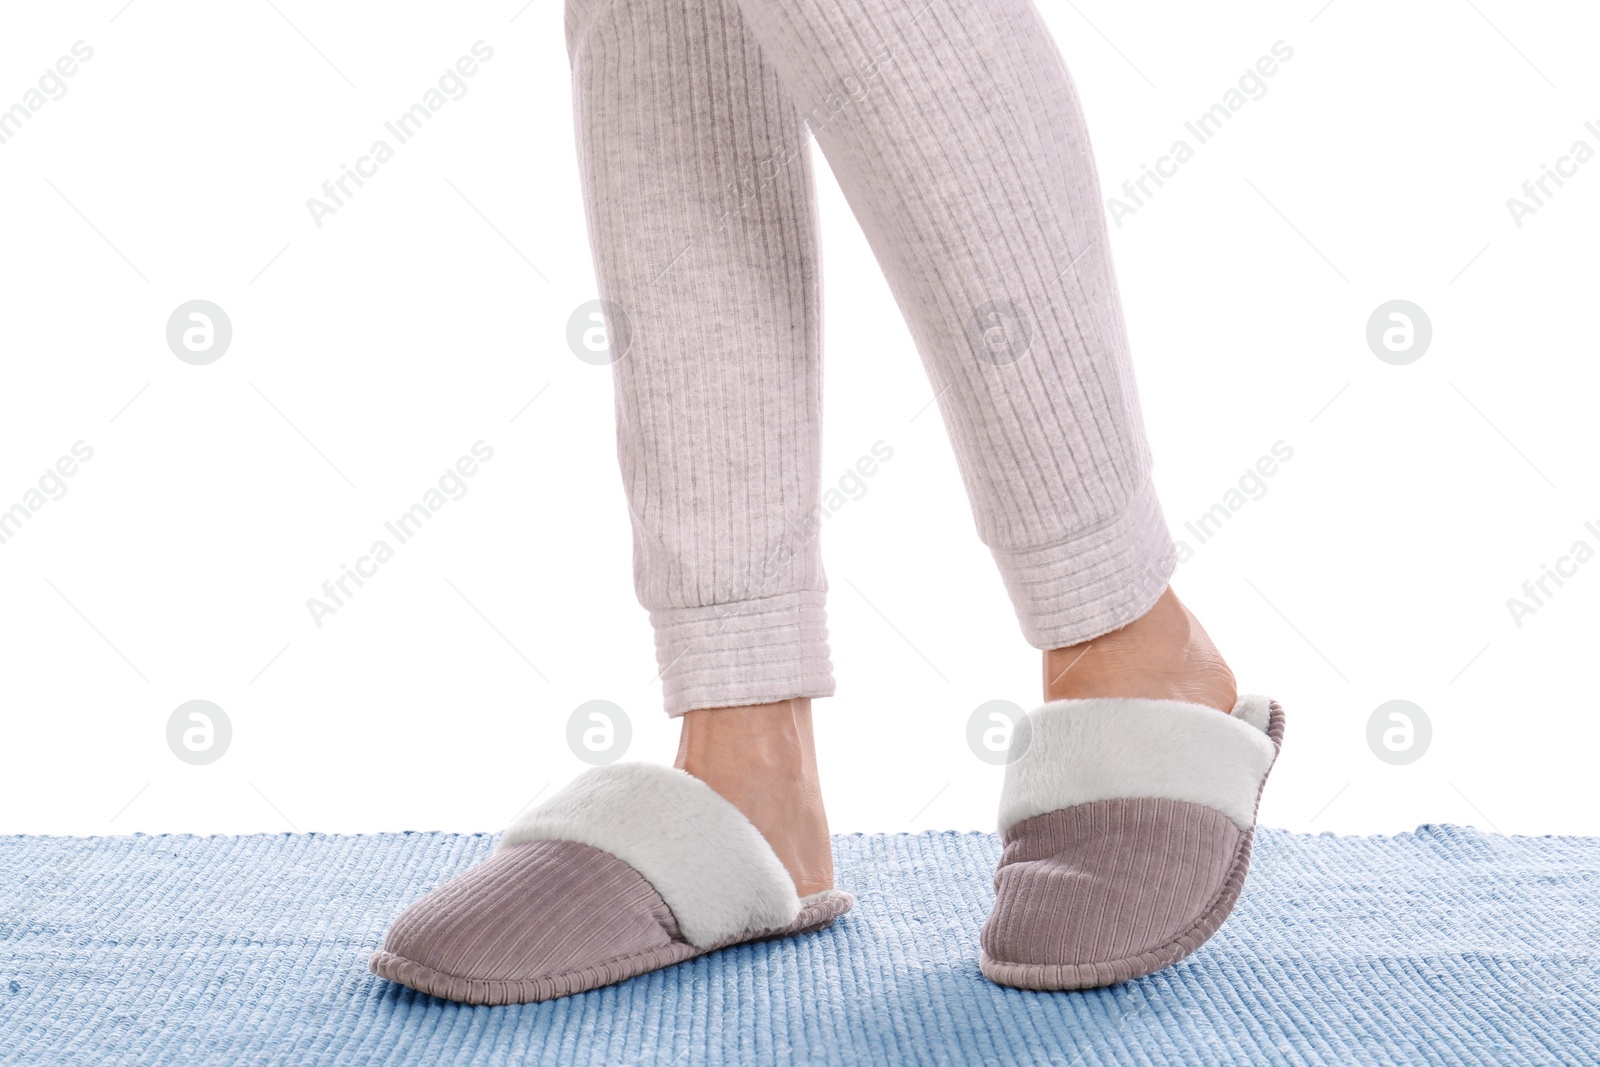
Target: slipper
[(1127, 826), (630, 868)]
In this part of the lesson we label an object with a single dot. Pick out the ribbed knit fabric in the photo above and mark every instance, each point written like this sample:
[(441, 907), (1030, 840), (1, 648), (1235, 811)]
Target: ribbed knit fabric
[(536, 921), (1446, 946), (1103, 892), (549, 919), (956, 134)]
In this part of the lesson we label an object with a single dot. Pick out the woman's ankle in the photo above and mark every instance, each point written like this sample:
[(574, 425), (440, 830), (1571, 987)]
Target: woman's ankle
[(761, 737), (762, 760), (1164, 654)]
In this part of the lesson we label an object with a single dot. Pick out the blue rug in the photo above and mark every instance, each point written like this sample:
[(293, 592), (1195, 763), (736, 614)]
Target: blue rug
[(1443, 946)]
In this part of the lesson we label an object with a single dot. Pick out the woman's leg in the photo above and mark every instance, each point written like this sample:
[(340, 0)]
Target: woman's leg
[(957, 136), (718, 398), (702, 220)]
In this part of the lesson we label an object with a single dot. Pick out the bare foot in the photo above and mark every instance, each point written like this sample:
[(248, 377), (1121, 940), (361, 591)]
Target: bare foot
[(1164, 654), (760, 758)]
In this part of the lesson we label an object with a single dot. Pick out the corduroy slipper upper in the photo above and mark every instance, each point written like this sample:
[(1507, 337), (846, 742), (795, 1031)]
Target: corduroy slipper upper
[(630, 868), (1126, 826)]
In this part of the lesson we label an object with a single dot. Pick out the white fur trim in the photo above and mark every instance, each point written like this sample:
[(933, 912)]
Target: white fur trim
[(1255, 710), (1081, 751), (709, 863)]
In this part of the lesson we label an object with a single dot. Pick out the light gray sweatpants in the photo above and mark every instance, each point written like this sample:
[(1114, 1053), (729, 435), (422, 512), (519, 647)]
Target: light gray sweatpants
[(956, 134)]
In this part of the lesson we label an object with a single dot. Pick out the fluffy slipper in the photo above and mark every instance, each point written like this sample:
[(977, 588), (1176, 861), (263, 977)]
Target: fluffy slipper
[(630, 868), (1127, 827)]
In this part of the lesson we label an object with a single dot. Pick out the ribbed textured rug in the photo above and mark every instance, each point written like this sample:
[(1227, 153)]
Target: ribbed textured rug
[(1443, 946)]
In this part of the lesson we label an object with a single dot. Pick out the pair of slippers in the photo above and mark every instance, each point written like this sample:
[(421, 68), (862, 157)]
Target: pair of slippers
[(1126, 825)]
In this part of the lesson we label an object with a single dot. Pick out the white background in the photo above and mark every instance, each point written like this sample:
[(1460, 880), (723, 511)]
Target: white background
[(429, 311)]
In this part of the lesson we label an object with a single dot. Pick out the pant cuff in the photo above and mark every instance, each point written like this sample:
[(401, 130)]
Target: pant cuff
[(747, 652), (1096, 581)]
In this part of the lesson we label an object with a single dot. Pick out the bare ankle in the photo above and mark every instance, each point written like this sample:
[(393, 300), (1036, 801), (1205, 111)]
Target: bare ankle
[(762, 760), (1164, 654), (759, 736)]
